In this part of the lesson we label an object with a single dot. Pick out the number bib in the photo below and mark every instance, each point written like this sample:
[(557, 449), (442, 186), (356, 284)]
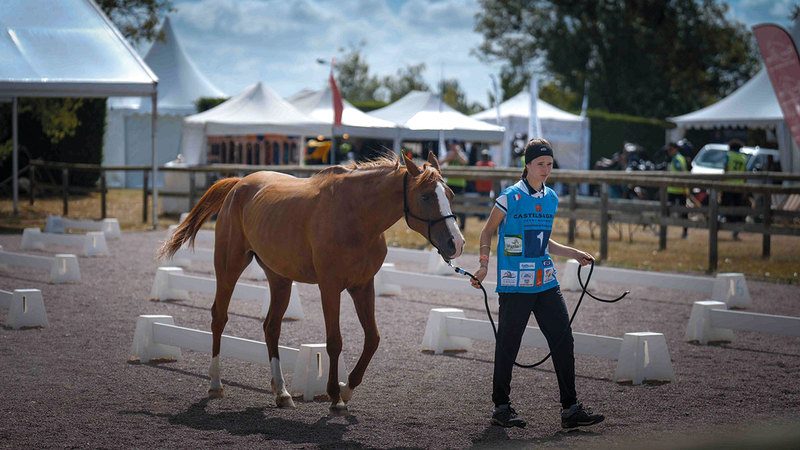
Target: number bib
[(524, 264)]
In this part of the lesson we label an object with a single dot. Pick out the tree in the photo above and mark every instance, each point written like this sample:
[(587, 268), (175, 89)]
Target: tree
[(354, 81), (407, 80), (648, 58), (137, 20), (453, 95)]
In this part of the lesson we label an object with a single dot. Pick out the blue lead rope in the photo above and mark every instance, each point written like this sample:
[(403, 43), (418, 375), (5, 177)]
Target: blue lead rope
[(574, 313)]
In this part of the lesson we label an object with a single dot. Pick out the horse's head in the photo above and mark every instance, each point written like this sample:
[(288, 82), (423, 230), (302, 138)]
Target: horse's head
[(427, 207)]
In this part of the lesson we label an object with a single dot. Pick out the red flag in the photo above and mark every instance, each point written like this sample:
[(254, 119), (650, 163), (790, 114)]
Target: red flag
[(338, 107), (783, 66)]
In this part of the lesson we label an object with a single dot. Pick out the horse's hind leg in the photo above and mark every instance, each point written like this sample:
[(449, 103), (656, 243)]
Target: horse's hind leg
[(280, 290), (230, 260), (364, 301)]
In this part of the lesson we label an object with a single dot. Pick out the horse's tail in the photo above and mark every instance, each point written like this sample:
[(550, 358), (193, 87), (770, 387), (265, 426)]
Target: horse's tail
[(209, 204)]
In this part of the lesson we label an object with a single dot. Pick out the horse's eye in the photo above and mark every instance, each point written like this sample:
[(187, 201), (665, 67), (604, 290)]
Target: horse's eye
[(426, 197)]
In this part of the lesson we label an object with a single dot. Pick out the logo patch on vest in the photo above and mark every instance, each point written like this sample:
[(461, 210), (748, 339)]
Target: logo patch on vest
[(549, 275), (513, 244), (527, 278), (508, 278), (527, 265)]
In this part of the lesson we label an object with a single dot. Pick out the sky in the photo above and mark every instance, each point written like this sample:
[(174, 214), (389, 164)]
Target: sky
[(236, 43)]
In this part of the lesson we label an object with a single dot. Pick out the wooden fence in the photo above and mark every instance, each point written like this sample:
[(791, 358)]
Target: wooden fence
[(771, 210)]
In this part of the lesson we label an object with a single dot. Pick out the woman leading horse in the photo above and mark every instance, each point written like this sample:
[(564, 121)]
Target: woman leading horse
[(326, 230)]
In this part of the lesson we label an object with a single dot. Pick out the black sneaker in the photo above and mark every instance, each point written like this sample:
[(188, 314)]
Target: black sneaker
[(578, 416), (507, 417)]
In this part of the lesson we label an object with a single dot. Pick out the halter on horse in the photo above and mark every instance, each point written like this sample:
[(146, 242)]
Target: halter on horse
[(326, 230)]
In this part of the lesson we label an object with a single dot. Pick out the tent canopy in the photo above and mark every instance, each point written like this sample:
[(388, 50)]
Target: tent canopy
[(568, 133), (422, 115), (519, 106), (257, 110), (319, 106), (180, 82), (66, 48), (753, 105)]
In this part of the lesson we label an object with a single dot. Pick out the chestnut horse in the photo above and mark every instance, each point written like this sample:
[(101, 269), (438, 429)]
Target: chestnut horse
[(326, 230)]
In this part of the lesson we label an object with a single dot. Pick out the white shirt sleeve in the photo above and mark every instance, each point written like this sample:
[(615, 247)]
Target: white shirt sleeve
[(502, 203)]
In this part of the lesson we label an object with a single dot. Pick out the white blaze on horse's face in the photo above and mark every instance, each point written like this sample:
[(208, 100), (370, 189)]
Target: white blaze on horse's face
[(452, 225)]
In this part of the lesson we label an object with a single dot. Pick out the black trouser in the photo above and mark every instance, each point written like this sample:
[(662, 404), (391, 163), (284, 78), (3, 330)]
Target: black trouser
[(551, 314)]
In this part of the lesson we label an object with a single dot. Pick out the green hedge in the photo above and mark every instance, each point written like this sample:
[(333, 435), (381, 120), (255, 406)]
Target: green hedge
[(611, 131)]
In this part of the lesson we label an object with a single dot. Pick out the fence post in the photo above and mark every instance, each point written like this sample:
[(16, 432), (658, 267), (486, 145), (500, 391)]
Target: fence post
[(713, 229), (102, 194), (192, 190), (573, 205), (32, 170), (766, 237), (146, 177), (662, 229), (65, 190), (603, 221)]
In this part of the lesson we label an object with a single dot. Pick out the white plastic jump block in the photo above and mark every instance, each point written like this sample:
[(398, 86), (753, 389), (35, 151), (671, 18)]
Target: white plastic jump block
[(382, 287), (731, 288), (63, 267), (25, 308), (700, 327), (644, 357), (158, 338), (171, 284), (311, 371), (58, 224), (437, 338), (92, 243)]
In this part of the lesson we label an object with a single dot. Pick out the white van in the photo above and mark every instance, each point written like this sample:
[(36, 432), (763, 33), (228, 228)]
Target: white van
[(711, 158)]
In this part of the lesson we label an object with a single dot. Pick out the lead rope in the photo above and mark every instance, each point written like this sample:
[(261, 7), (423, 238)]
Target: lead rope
[(566, 330)]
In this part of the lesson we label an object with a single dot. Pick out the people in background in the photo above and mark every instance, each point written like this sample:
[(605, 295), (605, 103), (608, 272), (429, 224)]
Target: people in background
[(677, 195), (735, 161), (456, 157)]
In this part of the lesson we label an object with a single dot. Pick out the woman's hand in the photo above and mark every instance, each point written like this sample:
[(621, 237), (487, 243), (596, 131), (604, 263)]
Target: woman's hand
[(583, 258), (480, 274)]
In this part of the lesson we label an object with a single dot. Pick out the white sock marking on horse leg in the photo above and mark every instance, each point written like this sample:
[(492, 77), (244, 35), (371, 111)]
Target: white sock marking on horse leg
[(277, 377), (452, 224), (214, 373)]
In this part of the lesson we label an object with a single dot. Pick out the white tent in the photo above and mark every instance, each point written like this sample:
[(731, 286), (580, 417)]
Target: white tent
[(67, 48), (319, 105), (753, 105), (180, 85), (422, 115), (257, 110), (568, 133)]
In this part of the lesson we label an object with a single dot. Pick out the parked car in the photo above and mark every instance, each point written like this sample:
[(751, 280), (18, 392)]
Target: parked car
[(711, 158)]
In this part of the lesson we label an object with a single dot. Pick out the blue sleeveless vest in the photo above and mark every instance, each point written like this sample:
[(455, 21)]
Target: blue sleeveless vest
[(523, 261)]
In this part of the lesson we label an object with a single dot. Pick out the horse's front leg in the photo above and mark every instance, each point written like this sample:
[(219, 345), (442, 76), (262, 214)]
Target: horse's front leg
[(333, 343), (364, 301)]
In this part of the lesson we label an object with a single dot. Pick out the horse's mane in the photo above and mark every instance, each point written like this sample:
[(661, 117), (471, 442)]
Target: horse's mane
[(388, 162)]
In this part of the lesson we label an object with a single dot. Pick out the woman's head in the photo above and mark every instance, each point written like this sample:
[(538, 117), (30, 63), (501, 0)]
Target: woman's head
[(535, 149)]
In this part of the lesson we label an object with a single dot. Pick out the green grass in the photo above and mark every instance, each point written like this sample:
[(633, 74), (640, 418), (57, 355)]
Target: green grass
[(629, 246)]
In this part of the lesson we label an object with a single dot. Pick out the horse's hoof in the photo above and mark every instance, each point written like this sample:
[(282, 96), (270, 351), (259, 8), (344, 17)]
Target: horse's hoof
[(339, 409), (284, 401), (216, 393), (345, 392)]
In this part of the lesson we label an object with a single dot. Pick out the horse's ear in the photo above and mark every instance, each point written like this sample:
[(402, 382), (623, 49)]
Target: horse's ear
[(434, 161), (412, 168)]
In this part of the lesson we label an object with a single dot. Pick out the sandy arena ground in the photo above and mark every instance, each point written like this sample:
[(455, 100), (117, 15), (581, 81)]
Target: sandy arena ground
[(72, 385)]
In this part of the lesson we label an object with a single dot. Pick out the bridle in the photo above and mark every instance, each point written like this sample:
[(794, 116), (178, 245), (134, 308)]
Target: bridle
[(430, 222)]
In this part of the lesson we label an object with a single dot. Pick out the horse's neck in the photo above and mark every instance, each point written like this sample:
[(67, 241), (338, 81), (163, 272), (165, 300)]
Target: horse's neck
[(380, 197)]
